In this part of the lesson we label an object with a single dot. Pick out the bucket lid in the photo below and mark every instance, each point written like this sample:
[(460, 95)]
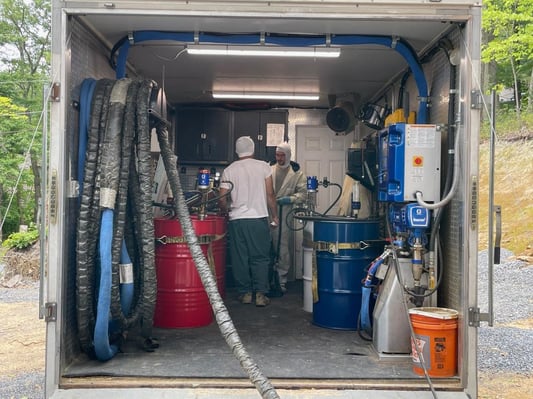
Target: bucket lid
[(436, 313)]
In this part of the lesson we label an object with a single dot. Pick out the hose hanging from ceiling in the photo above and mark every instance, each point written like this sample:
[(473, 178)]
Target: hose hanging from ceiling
[(109, 164), (117, 164), (89, 221), (86, 95)]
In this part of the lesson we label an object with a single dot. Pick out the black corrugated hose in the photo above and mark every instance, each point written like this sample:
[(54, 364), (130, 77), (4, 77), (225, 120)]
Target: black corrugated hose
[(225, 324), (128, 151), (89, 218)]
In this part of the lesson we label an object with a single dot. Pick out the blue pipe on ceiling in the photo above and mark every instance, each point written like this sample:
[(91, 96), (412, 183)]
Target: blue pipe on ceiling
[(404, 49)]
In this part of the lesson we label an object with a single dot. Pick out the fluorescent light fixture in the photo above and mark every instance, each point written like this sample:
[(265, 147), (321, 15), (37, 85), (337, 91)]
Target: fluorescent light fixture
[(264, 96), (264, 51)]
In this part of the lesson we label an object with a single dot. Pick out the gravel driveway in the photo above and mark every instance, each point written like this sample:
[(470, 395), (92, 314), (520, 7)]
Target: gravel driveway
[(502, 348)]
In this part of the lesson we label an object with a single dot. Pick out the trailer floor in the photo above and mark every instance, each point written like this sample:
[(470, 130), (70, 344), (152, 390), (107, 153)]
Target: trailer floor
[(280, 338)]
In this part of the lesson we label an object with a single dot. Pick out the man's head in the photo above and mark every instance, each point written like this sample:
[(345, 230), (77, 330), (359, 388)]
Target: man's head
[(283, 155), (244, 146)]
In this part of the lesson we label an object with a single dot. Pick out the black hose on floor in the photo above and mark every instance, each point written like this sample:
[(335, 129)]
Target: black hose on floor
[(225, 324)]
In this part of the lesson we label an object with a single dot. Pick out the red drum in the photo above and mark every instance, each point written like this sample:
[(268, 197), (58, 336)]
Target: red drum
[(181, 298)]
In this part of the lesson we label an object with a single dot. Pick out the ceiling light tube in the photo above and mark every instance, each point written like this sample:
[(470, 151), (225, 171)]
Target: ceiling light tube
[(264, 51), (264, 96)]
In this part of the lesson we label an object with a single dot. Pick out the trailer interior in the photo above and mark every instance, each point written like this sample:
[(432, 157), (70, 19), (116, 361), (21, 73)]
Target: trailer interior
[(383, 54)]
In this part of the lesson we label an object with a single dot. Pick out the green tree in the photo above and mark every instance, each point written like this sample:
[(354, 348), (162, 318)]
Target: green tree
[(14, 168), (24, 67), (509, 24)]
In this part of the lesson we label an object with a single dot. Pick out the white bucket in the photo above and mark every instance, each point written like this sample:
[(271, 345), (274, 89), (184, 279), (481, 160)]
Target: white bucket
[(307, 278)]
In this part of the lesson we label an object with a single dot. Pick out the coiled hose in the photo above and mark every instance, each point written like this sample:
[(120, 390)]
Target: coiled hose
[(89, 218), (118, 143), (109, 182)]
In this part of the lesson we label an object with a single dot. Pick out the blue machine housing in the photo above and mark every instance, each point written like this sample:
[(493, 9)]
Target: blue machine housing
[(409, 161), (391, 151)]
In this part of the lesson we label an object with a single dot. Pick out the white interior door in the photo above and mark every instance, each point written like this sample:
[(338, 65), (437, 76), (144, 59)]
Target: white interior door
[(321, 153)]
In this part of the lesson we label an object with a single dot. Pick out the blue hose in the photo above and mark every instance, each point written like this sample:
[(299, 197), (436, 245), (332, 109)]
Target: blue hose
[(296, 41), (366, 323), (103, 350), (366, 320), (86, 96), (407, 53), (109, 182), (120, 72)]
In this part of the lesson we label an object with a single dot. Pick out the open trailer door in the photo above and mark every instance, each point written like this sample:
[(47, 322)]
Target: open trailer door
[(401, 145)]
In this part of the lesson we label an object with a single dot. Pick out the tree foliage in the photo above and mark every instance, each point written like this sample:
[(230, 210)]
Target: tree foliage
[(24, 67), (509, 24), (25, 35), (14, 165)]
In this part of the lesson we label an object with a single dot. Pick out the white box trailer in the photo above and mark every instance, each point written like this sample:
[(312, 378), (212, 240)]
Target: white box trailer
[(389, 49)]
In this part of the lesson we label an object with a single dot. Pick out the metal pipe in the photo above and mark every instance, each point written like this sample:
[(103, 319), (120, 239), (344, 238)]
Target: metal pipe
[(42, 203), (491, 208)]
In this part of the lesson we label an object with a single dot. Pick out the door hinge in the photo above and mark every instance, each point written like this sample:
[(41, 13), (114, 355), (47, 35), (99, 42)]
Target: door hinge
[(50, 311), (475, 317), (55, 92), (477, 99)]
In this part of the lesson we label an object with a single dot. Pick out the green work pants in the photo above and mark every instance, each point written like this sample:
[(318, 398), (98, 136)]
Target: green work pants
[(249, 245)]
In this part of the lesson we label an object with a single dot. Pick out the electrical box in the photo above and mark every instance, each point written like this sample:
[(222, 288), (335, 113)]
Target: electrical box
[(409, 161)]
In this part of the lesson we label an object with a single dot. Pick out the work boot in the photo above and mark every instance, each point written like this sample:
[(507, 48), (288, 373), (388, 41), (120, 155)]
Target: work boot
[(261, 300), (246, 299)]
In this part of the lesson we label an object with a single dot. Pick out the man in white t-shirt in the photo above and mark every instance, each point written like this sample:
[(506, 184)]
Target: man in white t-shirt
[(251, 199)]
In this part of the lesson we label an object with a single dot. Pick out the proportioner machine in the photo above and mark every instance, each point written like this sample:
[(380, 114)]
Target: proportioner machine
[(408, 160)]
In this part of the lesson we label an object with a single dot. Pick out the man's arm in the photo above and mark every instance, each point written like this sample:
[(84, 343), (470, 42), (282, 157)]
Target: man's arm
[(223, 202), (300, 192)]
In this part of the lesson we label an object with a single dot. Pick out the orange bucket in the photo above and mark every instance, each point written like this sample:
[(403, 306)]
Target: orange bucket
[(436, 337)]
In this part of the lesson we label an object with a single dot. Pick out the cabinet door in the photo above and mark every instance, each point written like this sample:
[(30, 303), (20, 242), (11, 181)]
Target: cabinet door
[(189, 126), (246, 123), (203, 136), (216, 136), (255, 124)]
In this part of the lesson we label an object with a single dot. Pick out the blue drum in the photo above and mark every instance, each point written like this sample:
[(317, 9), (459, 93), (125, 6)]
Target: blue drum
[(344, 248)]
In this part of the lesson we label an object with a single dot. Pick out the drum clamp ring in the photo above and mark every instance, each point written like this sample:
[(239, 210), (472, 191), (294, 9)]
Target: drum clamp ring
[(203, 239), (334, 247)]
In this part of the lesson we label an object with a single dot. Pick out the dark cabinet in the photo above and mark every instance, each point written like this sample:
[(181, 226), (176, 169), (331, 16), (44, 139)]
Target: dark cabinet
[(202, 136), (207, 136), (266, 128)]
